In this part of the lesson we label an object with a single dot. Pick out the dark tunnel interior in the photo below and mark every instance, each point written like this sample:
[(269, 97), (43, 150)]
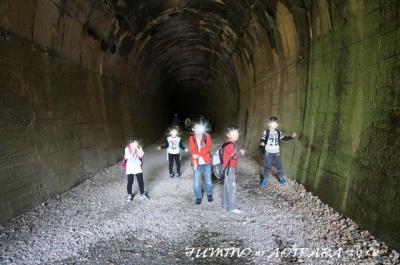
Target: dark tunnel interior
[(82, 76)]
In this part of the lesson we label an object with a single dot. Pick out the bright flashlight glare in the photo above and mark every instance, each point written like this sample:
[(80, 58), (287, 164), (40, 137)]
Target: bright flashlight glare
[(200, 128), (273, 124), (173, 132)]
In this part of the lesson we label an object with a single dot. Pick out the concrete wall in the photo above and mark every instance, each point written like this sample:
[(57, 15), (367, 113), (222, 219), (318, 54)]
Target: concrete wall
[(67, 106), (340, 90)]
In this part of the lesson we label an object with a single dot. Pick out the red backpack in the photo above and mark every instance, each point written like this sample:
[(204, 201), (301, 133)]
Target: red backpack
[(123, 162)]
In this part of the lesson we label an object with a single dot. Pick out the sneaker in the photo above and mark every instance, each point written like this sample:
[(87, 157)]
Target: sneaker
[(129, 197), (236, 211), (282, 180), (264, 182), (144, 197), (171, 175), (210, 198), (177, 175), (198, 201)]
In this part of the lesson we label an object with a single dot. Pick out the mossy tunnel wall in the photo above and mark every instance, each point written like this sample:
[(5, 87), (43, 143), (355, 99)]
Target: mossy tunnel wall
[(79, 77)]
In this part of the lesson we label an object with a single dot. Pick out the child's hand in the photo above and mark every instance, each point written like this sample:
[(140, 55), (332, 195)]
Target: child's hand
[(195, 156), (242, 151), (158, 148), (294, 135), (262, 144), (186, 150)]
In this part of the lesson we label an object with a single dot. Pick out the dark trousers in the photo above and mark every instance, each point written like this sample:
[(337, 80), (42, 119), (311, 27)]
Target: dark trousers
[(140, 181), (177, 159)]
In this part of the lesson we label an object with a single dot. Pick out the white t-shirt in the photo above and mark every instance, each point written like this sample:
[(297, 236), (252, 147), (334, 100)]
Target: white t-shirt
[(272, 143), (133, 163), (173, 145)]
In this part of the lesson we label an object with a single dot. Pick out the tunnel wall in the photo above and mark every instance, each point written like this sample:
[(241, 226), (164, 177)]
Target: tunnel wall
[(67, 103), (340, 92), (349, 153)]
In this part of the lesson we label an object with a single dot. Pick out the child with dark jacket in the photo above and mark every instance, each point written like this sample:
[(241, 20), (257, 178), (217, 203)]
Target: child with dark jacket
[(174, 145), (270, 147)]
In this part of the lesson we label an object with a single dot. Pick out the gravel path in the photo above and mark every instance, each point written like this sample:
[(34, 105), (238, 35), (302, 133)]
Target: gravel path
[(94, 224)]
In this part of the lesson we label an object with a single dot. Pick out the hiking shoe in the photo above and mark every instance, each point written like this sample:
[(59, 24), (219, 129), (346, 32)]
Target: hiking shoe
[(129, 197), (198, 201), (210, 198), (144, 197), (264, 182), (171, 175), (237, 211)]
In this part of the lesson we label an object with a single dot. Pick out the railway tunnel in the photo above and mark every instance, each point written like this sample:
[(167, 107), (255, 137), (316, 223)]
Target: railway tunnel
[(79, 77)]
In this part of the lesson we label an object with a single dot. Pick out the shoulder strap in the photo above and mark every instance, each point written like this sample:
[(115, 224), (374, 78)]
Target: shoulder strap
[(266, 135), (279, 135), (225, 144)]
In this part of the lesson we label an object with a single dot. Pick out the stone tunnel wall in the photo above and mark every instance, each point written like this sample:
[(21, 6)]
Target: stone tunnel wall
[(67, 104), (341, 92)]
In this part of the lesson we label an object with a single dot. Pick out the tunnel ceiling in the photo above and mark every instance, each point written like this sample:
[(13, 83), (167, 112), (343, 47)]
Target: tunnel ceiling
[(185, 44)]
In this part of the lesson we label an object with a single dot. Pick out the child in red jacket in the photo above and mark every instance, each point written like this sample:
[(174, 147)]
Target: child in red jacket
[(200, 146), (230, 162)]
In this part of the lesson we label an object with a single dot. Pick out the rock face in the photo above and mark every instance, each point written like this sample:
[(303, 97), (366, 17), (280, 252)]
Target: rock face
[(78, 77), (66, 107)]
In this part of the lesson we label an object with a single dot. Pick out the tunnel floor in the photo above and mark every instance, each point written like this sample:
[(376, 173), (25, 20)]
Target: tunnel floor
[(94, 224)]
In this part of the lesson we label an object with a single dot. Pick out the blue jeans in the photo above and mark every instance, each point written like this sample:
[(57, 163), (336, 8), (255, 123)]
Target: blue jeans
[(206, 171), (271, 159)]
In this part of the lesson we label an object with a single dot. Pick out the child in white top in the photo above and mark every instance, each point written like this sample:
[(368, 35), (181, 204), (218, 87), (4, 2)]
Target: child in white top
[(133, 156), (174, 145)]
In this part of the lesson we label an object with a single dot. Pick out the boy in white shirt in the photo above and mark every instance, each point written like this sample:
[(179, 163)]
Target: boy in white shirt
[(174, 145), (269, 145)]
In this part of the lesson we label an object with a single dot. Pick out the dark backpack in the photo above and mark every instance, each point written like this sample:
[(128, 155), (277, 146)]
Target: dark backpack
[(218, 169)]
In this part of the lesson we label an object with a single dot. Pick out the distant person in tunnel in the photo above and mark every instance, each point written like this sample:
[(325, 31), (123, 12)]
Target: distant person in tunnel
[(211, 123), (174, 146), (200, 147), (176, 121), (134, 161), (270, 147), (230, 156), (188, 124)]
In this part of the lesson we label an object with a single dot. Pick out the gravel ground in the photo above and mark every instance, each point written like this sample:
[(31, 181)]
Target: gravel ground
[(94, 224)]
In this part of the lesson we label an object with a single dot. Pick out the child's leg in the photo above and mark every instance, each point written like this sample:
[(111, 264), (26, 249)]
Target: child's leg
[(279, 167), (230, 190), (141, 183), (197, 183), (130, 183), (178, 163), (170, 163), (207, 178), (267, 168)]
